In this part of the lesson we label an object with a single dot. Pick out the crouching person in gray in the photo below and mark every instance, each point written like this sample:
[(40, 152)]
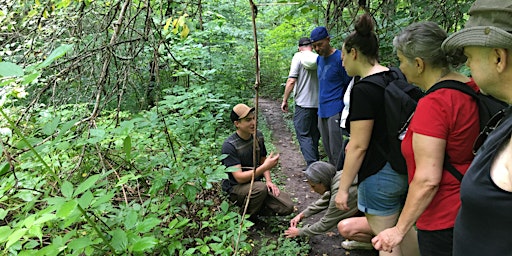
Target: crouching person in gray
[(352, 225), (266, 198)]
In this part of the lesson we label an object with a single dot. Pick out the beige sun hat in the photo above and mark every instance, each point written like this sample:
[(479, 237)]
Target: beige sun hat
[(489, 25)]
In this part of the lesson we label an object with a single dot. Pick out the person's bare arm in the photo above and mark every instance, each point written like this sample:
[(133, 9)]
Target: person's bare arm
[(429, 157), (268, 163), (290, 83), (361, 132)]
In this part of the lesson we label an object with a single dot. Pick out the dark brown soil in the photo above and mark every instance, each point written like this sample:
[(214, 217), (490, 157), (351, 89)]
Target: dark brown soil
[(292, 163)]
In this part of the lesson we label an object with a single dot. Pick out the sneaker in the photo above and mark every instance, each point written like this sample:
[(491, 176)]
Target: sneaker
[(355, 245)]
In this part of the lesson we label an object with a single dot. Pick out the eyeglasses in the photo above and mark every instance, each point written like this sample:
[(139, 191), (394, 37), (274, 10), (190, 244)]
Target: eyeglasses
[(247, 118), (489, 127)]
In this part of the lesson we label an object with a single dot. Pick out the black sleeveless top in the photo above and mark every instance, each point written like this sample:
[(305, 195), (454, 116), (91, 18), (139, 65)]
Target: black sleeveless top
[(484, 223)]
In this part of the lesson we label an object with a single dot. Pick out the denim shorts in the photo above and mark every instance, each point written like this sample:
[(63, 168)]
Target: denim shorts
[(383, 193)]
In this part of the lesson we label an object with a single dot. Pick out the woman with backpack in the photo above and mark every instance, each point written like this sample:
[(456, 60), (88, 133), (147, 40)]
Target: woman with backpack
[(440, 133), (381, 190)]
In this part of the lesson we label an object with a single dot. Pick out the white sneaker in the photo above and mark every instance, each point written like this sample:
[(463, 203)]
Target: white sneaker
[(355, 245)]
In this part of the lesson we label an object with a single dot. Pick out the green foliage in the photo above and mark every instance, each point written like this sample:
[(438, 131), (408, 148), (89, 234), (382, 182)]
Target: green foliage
[(145, 185), (284, 246)]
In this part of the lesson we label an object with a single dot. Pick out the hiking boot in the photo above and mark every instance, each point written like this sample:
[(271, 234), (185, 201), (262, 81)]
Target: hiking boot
[(355, 245)]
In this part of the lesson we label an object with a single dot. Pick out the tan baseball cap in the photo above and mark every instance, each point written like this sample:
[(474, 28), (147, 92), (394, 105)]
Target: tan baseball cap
[(240, 111)]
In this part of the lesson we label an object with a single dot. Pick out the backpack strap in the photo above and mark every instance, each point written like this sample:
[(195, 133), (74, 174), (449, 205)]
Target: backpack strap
[(451, 169), (459, 86), (456, 85)]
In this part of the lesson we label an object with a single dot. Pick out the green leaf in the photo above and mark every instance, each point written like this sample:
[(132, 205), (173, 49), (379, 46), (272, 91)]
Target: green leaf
[(126, 178), (119, 239), (144, 243), (147, 225), (45, 218), (66, 209), (174, 223), (87, 184), (29, 221), (50, 127), (30, 77), (67, 189), (130, 220), (64, 128), (3, 213), (224, 206), (204, 249), (57, 53), (86, 199), (36, 231), (10, 69), (80, 243), (15, 237), (4, 168), (127, 146), (97, 135), (190, 192), (5, 232), (103, 199)]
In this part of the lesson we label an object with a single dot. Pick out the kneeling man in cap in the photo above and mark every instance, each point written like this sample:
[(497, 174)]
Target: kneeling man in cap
[(266, 198)]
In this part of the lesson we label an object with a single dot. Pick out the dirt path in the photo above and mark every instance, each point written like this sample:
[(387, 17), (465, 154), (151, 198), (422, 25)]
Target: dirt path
[(292, 163)]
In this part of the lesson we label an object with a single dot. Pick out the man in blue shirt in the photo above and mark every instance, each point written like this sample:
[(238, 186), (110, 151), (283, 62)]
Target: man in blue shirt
[(333, 80)]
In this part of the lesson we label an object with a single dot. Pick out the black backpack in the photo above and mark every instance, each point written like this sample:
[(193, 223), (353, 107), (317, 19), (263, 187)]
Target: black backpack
[(488, 106), (400, 100)]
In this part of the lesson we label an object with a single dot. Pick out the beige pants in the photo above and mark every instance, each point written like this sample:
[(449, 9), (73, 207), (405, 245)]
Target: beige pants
[(262, 202)]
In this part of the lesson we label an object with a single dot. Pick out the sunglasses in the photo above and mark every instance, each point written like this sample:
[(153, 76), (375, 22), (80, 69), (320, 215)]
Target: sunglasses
[(489, 127)]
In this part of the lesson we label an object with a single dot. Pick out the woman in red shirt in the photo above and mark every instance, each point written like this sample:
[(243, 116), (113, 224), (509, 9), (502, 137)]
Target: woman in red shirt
[(445, 121)]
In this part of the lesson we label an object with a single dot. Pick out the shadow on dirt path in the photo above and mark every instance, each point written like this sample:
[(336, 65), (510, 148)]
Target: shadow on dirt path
[(292, 163)]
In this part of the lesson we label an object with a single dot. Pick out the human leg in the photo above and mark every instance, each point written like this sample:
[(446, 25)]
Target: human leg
[(356, 228), (280, 205), (381, 197), (378, 224), (324, 135), (306, 128), (345, 137), (335, 141), (259, 193), (438, 242), (314, 131), (409, 244)]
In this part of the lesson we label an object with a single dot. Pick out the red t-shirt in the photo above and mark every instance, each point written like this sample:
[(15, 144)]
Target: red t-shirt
[(453, 116)]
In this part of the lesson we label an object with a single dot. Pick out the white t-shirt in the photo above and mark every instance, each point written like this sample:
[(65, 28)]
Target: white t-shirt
[(305, 90), (346, 101)]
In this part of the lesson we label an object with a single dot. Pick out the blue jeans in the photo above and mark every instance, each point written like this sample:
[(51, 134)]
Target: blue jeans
[(308, 135)]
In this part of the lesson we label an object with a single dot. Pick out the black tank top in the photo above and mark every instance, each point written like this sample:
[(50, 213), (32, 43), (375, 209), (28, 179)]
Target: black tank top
[(484, 223)]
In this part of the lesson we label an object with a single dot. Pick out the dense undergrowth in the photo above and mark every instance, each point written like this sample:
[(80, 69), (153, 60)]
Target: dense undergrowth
[(145, 185)]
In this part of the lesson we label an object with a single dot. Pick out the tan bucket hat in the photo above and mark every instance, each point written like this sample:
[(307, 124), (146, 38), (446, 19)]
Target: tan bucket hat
[(489, 25)]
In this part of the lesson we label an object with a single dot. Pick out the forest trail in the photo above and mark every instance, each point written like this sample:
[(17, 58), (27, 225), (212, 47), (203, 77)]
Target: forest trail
[(292, 163)]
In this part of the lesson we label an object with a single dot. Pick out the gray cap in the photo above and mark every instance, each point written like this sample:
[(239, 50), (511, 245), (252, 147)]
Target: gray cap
[(321, 173)]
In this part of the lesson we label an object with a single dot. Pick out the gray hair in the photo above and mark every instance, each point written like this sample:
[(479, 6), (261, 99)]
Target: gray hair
[(321, 173), (423, 40)]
